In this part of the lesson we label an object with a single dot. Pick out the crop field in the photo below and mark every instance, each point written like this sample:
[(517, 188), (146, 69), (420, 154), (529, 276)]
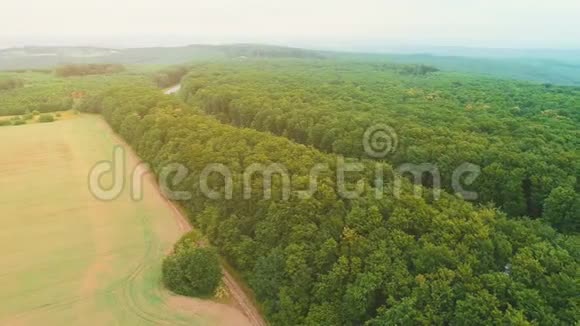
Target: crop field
[(69, 258)]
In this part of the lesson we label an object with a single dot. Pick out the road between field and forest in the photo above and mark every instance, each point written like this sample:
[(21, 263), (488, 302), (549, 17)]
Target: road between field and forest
[(240, 297)]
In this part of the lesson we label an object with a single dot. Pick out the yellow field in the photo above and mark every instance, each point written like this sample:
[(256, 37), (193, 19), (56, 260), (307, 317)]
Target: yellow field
[(68, 258)]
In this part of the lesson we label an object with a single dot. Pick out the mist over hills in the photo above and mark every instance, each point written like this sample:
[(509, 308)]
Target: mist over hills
[(541, 65), (45, 57)]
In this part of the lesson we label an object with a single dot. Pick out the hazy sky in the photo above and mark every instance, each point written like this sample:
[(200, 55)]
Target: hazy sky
[(328, 23)]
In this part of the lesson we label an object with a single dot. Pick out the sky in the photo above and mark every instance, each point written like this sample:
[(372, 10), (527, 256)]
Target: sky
[(331, 24)]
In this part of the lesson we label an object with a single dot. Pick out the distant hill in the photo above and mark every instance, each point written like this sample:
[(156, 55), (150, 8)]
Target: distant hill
[(542, 70), (45, 57), (560, 67)]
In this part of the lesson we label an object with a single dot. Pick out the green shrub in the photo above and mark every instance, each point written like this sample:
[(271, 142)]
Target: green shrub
[(46, 118), (58, 115), (191, 270), (27, 116), (5, 123), (18, 122), (35, 112)]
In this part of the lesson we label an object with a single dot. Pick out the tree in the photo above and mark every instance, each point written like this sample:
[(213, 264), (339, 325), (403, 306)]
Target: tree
[(191, 270), (562, 209)]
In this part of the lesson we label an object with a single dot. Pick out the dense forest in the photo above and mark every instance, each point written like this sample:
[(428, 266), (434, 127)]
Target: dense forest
[(45, 92), (327, 260), (523, 136)]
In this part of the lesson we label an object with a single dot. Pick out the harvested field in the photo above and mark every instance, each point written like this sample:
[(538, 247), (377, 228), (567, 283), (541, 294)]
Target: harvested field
[(69, 258)]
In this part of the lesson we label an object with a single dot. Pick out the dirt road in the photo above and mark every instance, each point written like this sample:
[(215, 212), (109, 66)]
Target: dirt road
[(172, 89)]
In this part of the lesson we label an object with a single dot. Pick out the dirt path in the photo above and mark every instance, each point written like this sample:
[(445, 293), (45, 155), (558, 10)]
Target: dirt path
[(172, 90), (239, 296), (242, 300)]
